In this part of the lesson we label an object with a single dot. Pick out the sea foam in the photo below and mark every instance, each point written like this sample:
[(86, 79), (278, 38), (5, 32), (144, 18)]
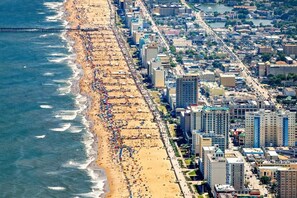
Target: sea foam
[(40, 136), (64, 127), (67, 114), (46, 106), (58, 188)]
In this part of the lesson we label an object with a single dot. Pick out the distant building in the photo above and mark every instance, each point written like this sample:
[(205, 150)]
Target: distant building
[(287, 183), (289, 91), (136, 37), (181, 44), (267, 128), (168, 10), (213, 89), (227, 80), (264, 50), (263, 69), (207, 76), (281, 67), (290, 49), (239, 107), (270, 171), (187, 91)]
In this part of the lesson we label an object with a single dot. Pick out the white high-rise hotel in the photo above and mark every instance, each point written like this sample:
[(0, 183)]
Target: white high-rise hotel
[(266, 128)]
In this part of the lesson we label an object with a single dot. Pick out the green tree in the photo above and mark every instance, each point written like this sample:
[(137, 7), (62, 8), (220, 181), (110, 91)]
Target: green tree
[(265, 180), (172, 64), (266, 57), (172, 49), (179, 58)]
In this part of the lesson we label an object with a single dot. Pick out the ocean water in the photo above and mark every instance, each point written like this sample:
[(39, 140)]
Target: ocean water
[(45, 147)]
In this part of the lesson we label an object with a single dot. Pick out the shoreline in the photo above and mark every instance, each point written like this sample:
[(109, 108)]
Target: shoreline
[(93, 170), (126, 138), (99, 171)]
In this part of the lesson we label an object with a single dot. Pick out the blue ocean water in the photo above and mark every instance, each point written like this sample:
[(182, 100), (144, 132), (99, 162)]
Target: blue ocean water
[(45, 148)]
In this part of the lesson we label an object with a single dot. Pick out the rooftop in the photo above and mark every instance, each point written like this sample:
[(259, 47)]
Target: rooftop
[(210, 108), (224, 188), (234, 160)]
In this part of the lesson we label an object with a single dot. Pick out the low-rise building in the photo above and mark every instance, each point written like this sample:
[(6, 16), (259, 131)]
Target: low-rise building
[(270, 171), (181, 44), (264, 49), (227, 80), (290, 49), (207, 76), (281, 67), (223, 191)]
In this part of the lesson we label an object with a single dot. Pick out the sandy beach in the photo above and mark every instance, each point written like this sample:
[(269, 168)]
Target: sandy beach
[(130, 150)]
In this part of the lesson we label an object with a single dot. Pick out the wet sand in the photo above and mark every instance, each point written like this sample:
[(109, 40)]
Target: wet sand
[(121, 119)]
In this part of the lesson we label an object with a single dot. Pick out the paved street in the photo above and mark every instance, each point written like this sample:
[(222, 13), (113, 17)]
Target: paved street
[(178, 70), (251, 81)]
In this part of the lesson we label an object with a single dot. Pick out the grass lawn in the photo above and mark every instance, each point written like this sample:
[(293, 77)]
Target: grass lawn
[(180, 163), (172, 130), (155, 96), (163, 109), (188, 162), (192, 173)]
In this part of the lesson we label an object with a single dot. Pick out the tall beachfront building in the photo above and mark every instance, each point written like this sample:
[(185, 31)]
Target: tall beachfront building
[(267, 128), (187, 91), (205, 119), (216, 120), (216, 168), (150, 51), (234, 171)]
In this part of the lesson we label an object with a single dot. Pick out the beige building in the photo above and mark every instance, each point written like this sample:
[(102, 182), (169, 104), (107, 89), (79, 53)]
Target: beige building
[(227, 80), (264, 49), (290, 49), (287, 183), (216, 167), (137, 36), (150, 51), (158, 77), (207, 76), (198, 142), (268, 128), (165, 60), (152, 64), (270, 171), (205, 151), (182, 44)]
